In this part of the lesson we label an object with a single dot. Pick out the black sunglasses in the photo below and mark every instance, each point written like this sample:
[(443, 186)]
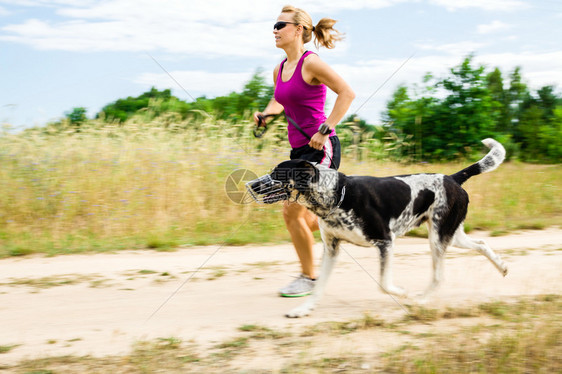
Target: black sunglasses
[(281, 24)]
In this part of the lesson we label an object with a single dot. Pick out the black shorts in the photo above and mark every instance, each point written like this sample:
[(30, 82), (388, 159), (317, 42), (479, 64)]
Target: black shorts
[(330, 156)]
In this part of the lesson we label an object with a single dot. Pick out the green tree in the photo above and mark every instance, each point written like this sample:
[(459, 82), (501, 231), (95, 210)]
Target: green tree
[(444, 128), (399, 109), (123, 109), (256, 93), (475, 106), (500, 103), (517, 93), (539, 127), (468, 107), (77, 116)]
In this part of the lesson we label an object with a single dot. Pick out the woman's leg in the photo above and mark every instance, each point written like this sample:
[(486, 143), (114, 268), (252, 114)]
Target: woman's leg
[(301, 223)]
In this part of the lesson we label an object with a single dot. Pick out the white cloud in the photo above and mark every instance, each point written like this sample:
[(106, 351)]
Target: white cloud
[(146, 12), (511, 38), (4, 12), (455, 49), (495, 26), (489, 5), (324, 8), (47, 3), (173, 36), (189, 27), (204, 27), (539, 69)]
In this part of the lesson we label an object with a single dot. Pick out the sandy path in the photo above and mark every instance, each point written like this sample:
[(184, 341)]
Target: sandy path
[(100, 304)]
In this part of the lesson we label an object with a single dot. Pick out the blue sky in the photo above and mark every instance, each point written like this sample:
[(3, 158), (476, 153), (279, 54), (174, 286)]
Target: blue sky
[(59, 54)]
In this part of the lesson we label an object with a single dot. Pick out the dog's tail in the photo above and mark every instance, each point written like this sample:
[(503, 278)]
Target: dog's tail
[(490, 162)]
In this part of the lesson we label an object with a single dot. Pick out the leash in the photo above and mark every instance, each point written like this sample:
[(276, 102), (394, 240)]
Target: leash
[(325, 153), (298, 128), (306, 135), (259, 133), (261, 127)]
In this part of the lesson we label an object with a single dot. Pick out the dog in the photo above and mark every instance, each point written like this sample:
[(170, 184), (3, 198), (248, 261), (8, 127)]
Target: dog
[(371, 211)]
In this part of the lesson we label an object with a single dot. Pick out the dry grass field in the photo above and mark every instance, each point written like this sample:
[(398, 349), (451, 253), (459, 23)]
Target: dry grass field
[(139, 185)]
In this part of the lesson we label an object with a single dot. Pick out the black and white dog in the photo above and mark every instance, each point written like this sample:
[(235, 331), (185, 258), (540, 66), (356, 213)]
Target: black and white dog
[(371, 211)]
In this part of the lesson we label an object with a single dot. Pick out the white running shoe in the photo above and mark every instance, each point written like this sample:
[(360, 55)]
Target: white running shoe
[(302, 286)]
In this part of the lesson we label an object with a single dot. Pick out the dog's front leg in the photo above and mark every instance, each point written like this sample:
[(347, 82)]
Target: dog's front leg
[(331, 251)]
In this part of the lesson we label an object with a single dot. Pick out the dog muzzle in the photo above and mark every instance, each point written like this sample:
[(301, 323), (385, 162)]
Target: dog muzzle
[(266, 190)]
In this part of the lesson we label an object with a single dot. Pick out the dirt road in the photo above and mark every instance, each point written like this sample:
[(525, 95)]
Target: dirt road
[(103, 303)]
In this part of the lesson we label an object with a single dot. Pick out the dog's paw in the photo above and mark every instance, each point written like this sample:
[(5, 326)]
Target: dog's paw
[(504, 270), (299, 312), (421, 299), (395, 290)]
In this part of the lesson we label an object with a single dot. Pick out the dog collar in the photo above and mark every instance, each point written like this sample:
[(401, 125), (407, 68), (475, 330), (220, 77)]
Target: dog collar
[(339, 202)]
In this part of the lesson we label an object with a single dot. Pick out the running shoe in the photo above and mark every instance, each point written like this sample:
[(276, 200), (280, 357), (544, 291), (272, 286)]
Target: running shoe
[(301, 286)]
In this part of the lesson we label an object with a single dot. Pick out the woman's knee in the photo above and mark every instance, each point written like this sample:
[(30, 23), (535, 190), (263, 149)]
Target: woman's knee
[(296, 215), (293, 212)]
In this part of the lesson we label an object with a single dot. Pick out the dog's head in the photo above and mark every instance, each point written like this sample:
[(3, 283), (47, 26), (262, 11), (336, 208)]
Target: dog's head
[(285, 181)]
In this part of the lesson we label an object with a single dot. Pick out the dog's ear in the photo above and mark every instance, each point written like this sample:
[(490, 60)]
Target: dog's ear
[(304, 164), (305, 174)]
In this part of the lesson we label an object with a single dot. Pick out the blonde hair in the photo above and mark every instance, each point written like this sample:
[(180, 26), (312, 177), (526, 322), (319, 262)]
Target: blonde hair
[(324, 32)]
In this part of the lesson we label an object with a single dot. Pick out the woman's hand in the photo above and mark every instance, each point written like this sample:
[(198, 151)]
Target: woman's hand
[(258, 119), (318, 140)]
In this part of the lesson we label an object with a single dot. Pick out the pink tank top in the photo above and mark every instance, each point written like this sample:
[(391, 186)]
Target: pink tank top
[(303, 102)]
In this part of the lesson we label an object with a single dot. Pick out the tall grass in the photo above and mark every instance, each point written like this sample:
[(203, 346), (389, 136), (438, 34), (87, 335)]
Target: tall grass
[(161, 183), (527, 341)]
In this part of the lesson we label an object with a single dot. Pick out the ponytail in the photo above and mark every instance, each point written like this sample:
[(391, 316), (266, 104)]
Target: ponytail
[(325, 33)]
